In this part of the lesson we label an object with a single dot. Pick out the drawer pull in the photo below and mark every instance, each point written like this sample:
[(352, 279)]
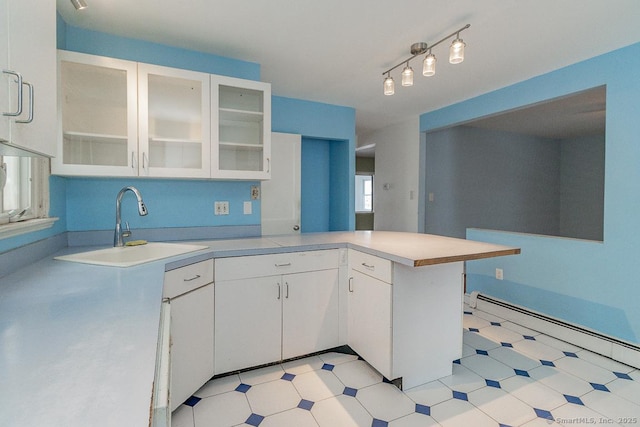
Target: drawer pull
[(286, 295), (279, 290), (370, 267), (283, 265), (350, 284), (197, 276)]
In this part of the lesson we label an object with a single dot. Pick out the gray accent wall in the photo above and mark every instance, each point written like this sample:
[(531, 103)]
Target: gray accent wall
[(505, 181)]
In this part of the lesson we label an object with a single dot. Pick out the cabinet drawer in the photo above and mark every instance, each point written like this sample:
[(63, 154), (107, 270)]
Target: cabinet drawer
[(185, 279), (275, 264), (371, 265)]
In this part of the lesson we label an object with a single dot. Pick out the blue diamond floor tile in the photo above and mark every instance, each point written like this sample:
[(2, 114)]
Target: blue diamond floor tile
[(192, 401), (521, 372), (460, 395), (288, 377), (492, 383), (543, 413), (504, 425), (457, 361), (328, 367), (573, 399), (496, 323), (254, 420), (600, 387), (305, 404), (547, 363), (474, 330), (623, 376), (379, 423), (423, 409), (350, 391), (570, 354), (243, 388), (529, 337), (506, 344), (468, 312), (482, 352)]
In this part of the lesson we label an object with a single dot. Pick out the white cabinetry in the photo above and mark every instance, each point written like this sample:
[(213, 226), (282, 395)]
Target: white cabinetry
[(190, 292), (274, 307), (240, 128), (98, 116), (405, 321), (27, 65)]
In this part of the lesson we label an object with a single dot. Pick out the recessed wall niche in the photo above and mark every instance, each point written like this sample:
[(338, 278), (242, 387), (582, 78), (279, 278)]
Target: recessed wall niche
[(538, 169)]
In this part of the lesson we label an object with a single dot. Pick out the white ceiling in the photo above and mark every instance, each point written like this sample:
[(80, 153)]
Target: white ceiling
[(335, 51)]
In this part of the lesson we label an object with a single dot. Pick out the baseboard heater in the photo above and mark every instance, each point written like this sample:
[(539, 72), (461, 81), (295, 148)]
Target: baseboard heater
[(613, 348)]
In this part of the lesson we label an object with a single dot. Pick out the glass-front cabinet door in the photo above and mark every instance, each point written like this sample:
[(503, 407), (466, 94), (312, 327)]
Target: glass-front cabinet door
[(174, 122), (240, 128), (97, 110)]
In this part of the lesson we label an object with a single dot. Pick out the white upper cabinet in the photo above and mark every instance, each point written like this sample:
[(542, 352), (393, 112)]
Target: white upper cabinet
[(240, 128), (28, 77), (122, 118), (173, 120), (98, 122)]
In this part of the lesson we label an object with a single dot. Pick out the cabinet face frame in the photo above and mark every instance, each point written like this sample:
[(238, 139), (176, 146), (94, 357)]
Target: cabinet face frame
[(58, 166), (144, 123), (265, 122)]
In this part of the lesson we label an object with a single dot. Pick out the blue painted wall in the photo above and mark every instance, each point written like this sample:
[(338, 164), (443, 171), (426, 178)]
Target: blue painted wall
[(315, 187), (589, 283)]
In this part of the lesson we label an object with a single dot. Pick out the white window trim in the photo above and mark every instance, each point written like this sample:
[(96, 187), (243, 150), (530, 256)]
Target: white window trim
[(36, 218)]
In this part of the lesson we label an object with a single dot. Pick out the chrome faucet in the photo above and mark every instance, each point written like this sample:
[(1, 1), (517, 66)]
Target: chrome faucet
[(142, 210)]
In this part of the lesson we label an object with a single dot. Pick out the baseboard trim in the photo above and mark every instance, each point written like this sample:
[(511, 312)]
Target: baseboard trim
[(605, 345)]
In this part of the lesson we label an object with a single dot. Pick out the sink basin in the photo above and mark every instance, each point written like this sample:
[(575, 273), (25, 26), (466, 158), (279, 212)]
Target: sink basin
[(128, 256)]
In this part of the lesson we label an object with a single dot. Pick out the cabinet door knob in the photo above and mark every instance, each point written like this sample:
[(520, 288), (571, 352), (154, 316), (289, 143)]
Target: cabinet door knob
[(296, 227)]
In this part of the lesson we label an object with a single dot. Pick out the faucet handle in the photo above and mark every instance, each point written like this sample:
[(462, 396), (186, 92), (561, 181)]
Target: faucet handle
[(127, 232)]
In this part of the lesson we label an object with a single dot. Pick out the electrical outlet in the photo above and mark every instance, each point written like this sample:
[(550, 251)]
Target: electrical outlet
[(221, 208), (499, 274)]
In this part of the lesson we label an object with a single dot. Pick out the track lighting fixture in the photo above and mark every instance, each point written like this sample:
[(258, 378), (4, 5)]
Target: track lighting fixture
[(79, 4), (456, 56)]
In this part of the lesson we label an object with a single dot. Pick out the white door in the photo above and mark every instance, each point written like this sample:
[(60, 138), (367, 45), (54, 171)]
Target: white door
[(281, 195)]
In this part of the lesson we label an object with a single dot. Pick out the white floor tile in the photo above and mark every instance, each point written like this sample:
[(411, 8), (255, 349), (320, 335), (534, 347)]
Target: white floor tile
[(182, 416), (357, 374), (538, 350), (533, 393), (499, 334), (520, 329), (337, 358), (629, 390), (429, 394), (541, 422), (513, 359), (272, 397), (604, 362), (414, 420), (341, 411), (301, 366), (222, 410), (585, 370), (262, 375), (501, 406), (487, 367), (218, 386), (293, 417), (560, 381), (467, 350), (559, 344), (385, 401), (457, 413), (477, 341), (318, 385), (488, 316), (613, 407), (463, 379), (473, 321), (578, 415)]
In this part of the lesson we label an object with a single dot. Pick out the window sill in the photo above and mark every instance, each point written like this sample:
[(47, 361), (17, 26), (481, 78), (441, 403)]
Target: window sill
[(23, 227)]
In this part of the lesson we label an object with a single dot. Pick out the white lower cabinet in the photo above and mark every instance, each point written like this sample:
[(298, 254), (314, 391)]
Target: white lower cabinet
[(190, 292), (265, 319), (369, 329)]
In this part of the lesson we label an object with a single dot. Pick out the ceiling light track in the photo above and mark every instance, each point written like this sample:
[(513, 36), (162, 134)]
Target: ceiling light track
[(456, 56)]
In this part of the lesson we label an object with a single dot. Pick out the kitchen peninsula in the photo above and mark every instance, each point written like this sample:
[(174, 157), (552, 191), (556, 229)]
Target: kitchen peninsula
[(78, 342)]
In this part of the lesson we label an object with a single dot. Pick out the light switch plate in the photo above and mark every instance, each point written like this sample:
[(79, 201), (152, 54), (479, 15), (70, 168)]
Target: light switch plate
[(248, 208)]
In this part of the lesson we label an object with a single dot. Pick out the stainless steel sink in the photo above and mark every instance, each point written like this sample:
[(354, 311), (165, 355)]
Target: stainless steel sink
[(128, 256)]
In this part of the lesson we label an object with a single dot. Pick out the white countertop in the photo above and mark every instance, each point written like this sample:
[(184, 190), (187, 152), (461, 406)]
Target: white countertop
[(78, 342)]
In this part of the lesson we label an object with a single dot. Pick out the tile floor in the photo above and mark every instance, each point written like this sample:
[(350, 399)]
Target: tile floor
[(508, 376)]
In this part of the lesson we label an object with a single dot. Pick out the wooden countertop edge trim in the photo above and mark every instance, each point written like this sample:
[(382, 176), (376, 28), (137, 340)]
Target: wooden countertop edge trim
[(470, 257)]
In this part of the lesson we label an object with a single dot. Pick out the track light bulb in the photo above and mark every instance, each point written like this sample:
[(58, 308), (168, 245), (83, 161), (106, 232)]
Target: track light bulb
[(79, 4), (456, 51), (429, 65), (389, 86), (407, 76)]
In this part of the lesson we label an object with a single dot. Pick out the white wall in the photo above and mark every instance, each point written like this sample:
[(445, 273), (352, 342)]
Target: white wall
[(397, 164)]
